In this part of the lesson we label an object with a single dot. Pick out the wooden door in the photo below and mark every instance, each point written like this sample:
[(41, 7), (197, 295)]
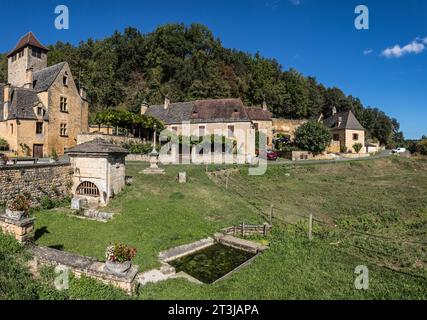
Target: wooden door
[(38, 151)]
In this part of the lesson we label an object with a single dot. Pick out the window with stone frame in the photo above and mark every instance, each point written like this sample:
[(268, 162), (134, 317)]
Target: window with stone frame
[(65, 79), (39, 127), (336, 137), (231, 131), (63, 130), (355, 136), (64, 104), (202, 131)]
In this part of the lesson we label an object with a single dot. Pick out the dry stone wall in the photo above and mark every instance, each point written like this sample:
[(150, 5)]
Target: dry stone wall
[(35, 181)]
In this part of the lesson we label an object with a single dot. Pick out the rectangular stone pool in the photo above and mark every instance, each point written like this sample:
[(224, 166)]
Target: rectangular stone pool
[(212, 263)]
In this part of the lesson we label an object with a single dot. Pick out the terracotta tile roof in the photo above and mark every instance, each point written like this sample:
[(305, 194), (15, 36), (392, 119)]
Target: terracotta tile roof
[(28, 40)]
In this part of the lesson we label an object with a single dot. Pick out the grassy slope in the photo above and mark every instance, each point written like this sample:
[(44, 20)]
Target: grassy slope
[(382, 197)]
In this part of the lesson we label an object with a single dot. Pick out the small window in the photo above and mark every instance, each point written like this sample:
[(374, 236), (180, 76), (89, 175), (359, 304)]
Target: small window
[(11, 129), (65, 79), (63, 130), (39, 111), (202, 131), (14, 58), (231, 131), (36, 53), (64, 104), (336, 137), (88, 189), (20, 54), (355, 136), (39, 128)]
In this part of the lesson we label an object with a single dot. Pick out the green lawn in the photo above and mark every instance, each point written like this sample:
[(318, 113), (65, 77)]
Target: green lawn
[(384, 197)]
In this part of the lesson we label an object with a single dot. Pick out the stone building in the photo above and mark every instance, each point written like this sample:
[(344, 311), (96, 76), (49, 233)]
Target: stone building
[(41, 108), (262, 120), (98, 171), (346, 132), (223, 117)]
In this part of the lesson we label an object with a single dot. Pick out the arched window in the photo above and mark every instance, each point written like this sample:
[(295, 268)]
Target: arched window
[(88, 189)]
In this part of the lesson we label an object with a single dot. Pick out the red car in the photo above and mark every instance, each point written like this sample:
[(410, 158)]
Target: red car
[(271, 155)]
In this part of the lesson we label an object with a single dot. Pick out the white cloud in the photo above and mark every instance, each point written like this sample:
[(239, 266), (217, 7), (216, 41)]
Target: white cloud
[(417, 46), (367, 51)]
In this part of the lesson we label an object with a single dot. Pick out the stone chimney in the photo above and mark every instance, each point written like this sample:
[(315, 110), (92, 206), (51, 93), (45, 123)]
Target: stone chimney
[(144, 107), (264, 106), (334, 111), (29, 78), (83, 93), (6, 98), (167, 102)]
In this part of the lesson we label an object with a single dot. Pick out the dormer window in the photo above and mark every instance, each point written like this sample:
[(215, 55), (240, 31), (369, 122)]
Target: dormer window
[(39, 111), (65, 79)]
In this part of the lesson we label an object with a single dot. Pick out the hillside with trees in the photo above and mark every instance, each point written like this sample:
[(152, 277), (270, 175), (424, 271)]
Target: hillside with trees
[(187, 63)]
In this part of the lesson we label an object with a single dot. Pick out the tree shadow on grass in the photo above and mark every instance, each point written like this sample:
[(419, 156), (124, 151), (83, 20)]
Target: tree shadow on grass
[(40, 233)]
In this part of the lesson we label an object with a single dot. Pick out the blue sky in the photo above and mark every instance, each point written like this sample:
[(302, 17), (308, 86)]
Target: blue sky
[(317, 37)]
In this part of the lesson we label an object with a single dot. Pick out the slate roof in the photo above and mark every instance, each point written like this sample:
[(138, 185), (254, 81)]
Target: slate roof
[(44, 78), (22, 104), (348, 121), (259, 114), (28, 40), (201, 111), (96, 146)]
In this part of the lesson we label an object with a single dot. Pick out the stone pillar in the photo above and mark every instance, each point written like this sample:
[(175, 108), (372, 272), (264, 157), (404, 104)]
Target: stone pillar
[(22, 230)]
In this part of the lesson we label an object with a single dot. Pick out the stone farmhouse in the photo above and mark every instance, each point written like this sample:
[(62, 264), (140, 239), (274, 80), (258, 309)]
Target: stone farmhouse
[(228, 117), (41, 108), (346, 132)]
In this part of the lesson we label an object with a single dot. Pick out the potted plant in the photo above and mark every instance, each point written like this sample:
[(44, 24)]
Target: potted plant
[(54, 156), (119, 257), (18, 207)]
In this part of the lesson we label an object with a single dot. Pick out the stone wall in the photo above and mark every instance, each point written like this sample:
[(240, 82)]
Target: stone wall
[(35, 181), (287, 126), (86, 137)]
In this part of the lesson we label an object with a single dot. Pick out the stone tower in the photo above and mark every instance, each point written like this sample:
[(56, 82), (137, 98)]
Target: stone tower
[(27, 57)]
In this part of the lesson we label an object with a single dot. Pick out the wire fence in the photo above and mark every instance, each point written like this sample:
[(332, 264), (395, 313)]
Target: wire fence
[(274, 213)]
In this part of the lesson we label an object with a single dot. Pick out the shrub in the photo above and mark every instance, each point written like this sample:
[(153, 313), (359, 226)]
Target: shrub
[(54, 155), (4, 145), (120, 253), (422, 147), (138, 147), (313, 136), (343, 149), (47, 203), (357, 147)]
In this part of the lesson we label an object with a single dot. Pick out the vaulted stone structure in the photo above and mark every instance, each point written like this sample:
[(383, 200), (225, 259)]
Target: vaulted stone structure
[(99, 171)]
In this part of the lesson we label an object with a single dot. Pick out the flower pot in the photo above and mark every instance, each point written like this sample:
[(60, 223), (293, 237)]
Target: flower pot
[(15, 215), (118, 268)]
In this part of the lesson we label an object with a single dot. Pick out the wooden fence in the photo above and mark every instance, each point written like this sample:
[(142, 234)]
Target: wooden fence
[(248, 230)]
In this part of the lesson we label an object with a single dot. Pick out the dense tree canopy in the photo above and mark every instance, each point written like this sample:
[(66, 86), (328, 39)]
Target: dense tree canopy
[(188, 62), (313, 136)]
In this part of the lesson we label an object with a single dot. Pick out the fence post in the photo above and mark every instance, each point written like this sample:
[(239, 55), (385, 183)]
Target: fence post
[(243, 229), (271, 214), (310, 227)]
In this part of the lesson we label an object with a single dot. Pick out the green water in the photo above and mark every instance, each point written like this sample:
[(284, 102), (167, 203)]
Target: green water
[(212, 263)]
